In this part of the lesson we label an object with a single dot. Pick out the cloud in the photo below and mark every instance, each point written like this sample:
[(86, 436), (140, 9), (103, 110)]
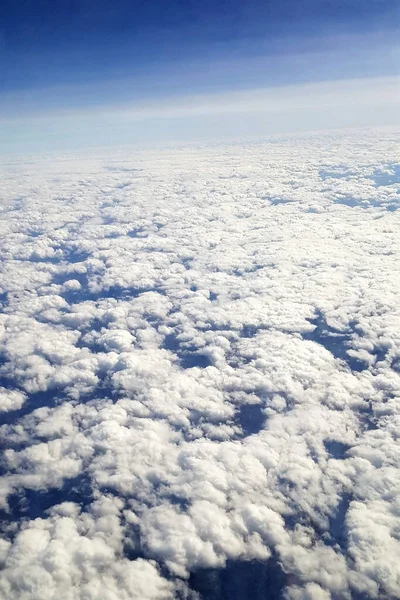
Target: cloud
[(200, 370), (75, 556), (11, 399)]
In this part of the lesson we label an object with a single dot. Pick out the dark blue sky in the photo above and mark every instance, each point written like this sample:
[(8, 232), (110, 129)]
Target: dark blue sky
[(79, 56), (48, 42)]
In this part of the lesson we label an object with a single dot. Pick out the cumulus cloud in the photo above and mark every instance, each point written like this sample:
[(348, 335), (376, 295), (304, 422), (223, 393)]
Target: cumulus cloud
[(76, 556), (200, 368), (11, 399)]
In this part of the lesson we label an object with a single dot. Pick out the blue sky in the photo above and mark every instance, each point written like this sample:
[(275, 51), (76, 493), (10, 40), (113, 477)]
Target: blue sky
[(64, 60)]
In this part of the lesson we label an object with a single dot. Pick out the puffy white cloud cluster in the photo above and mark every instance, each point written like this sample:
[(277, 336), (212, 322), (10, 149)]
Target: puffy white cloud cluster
[(72, 555), (200, 365)]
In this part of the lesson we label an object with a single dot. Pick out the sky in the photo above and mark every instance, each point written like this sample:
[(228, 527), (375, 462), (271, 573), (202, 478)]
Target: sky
[(79, 72)]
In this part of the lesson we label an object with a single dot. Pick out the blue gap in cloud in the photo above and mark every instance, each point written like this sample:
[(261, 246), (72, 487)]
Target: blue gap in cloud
[(189, 360), (337, 522), (188, 357), (132, 546), (3, 300), (336, 342), (390, 176), (395, 364), (249, 331), (336, 173), (187, 262), (61, 278), (69, 257), (74, 256), (35, 233), (336, 449), (368, 420), (278, 201), (52, 398), (134, 233), (355, 202), (33, 504), (250, 418), (335, 535), (240, 580), (49, 398), (350, 202), (115, 292), (233, 358)]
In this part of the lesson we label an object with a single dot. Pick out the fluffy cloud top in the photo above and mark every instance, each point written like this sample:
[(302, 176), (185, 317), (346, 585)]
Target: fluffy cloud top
[(200, 368)]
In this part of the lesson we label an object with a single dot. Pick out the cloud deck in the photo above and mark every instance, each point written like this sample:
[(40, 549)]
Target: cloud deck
[(200, 368)]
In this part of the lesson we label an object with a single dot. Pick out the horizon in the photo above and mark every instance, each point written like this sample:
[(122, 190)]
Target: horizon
[(83, 67)]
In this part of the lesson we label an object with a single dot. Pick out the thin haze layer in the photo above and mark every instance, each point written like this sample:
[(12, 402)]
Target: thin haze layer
[(79, 73), (200, 372)]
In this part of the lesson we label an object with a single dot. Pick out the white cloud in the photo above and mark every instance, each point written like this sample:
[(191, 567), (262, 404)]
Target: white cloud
[(11, 399), (200, 364), (76, 557)]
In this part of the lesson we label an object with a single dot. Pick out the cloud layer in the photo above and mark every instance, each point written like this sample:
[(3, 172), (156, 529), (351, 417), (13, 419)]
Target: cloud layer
[(200, 368)]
